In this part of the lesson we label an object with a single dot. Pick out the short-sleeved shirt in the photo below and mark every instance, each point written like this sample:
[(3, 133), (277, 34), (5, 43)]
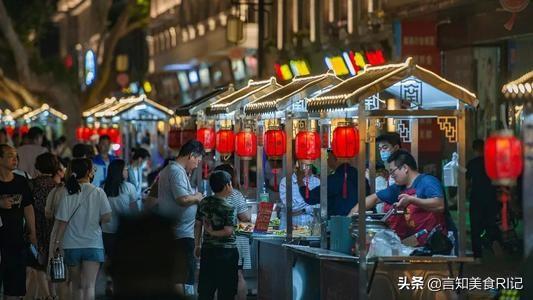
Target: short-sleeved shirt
[(120, 206), (83, 228), (219, 213), (236, 199), (415, 219), (12, 230), (174, 183), (27, 156)]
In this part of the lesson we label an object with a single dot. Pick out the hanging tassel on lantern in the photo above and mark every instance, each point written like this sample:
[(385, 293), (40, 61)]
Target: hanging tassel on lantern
[(205, 170), (504, 198), (345, 183)]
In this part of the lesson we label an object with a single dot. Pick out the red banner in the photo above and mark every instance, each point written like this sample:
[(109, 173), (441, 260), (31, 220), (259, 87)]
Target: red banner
[(419, 41)]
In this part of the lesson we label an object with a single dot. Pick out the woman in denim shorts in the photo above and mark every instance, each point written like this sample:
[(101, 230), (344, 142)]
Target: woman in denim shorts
[(79, 234)]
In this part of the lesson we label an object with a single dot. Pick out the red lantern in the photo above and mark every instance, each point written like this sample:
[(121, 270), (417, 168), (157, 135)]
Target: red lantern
[(503, 164), (246, 144), (225, 142), (103, 131), (79, 133), (503, 158), (307, 146), (275, 143), (24, 129), (345, 143), (114, 134), (10, 130), (275, 148), (206, 136)]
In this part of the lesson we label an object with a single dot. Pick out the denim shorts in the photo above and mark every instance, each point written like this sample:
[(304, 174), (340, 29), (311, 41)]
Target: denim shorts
[(74, 257)]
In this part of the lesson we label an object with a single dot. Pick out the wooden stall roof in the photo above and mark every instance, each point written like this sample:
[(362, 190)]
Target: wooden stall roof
[(253, 91), (521, 88), (108, 102), (300, 87), (205, 101), (45, 108), (125, 104), (11, 116), (383, 78)]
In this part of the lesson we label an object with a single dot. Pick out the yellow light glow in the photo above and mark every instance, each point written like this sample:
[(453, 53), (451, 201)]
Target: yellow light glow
[(161, 126), (300, 67), (338, 65), (147, 87), (286, 72), (359, 60)]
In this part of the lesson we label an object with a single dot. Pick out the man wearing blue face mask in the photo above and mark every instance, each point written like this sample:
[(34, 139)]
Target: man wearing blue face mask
[(388, 143)]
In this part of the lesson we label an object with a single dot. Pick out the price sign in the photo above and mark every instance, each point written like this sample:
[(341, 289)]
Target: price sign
[(263, 216)]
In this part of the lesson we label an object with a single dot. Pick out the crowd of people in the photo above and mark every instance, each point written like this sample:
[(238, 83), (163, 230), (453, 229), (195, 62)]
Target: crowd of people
[(99, 210)]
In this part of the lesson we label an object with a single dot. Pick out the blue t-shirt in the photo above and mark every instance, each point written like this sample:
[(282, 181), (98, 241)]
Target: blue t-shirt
[(426, 186)]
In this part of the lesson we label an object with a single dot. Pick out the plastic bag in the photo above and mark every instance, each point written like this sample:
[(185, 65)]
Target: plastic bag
[(387, 243)]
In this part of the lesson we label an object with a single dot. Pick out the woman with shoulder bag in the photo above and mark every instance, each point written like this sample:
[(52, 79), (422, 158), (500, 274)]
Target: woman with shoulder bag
[(51, 172), (79, 234)]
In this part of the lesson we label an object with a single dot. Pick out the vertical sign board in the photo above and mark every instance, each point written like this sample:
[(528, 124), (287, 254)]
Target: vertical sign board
[(419, 40), (263, 217)]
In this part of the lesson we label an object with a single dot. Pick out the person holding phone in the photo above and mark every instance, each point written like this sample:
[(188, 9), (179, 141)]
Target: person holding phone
[(16, 209)]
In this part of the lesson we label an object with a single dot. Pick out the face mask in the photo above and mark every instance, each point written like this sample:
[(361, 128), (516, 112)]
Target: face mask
[(144, 164), (384, 155)]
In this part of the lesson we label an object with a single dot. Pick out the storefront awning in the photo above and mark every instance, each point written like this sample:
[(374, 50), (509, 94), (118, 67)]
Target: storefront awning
[(44, 112), (254, 90), (407, 81), (203, 102), (297, 90), (521, 88), (8, 116)]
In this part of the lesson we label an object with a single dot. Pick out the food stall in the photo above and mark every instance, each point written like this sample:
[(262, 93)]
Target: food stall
[(519, 93), (10, 121), (220, 127), (279, 117), (183, 123), (130, 122), (51, 120), (319, 273)]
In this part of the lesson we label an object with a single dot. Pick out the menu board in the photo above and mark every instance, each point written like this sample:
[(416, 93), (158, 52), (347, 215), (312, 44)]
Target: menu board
[(263, 216)]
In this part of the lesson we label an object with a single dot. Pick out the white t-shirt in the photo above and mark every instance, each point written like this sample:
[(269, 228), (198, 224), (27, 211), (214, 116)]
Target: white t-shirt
[(83, 229), (120, 206), (27, 156)]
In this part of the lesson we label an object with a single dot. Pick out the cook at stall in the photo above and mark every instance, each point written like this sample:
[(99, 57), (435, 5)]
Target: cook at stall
[(420, 195)]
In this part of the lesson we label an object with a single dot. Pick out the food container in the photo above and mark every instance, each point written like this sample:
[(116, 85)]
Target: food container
[(373, 226)]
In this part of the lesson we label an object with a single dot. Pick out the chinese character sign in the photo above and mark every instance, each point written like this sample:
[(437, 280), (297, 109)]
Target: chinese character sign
[(419, 40)]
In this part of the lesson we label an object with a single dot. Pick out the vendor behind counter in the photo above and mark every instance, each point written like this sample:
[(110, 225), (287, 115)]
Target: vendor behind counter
[(341, 196), (420, 195)]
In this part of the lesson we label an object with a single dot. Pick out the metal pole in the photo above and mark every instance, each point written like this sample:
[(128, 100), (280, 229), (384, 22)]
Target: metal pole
[(288, 179), (527, 196), (363, 277), (461, 189), (325, 127), (372, 154), (414, 139), (260, 149)]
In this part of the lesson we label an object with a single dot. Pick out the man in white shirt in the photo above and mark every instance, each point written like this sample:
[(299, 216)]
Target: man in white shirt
[(29, 152)]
